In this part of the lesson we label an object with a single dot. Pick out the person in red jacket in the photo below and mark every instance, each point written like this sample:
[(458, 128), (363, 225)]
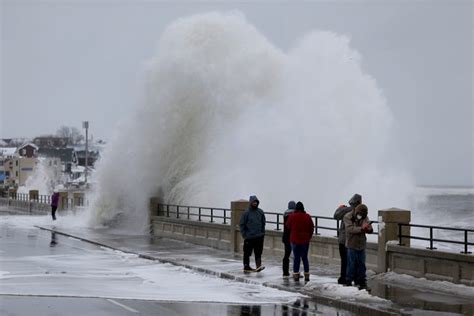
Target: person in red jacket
[(301, 228)]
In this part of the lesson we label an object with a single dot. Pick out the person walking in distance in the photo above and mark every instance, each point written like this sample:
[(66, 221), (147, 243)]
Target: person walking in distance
[(54, 204), (301, 230), (342, 210), (357, 225), (252, 229), (286, 239)]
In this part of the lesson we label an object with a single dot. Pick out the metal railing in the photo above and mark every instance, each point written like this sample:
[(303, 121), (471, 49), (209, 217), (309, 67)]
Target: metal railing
[(45, 199), (274, 219), (195, 212), (320, 223), (432, 239)]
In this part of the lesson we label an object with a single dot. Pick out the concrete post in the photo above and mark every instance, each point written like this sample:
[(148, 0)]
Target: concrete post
[(78, 198), (388, 230), (34, 195), (12, 193), (237, 209), (63, 196)]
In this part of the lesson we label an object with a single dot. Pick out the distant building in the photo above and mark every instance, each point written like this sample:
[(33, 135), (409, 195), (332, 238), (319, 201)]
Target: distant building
[(16, 170), (7, 155), (65, 156), (80, 157), (17, 164), (28, 150)]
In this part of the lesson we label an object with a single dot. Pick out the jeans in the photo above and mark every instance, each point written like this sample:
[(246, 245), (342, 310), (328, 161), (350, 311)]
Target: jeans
[(356, 266), (300, 252), (286, 259), (255, 245)]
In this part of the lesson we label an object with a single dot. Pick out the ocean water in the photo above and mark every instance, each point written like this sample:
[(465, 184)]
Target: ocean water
[(444, 207)]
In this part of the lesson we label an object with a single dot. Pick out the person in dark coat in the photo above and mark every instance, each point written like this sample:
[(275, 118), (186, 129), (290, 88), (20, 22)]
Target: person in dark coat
[(301, 228), (252, 229), (54, 204), (342, 210), (357, 225), (286, 239)]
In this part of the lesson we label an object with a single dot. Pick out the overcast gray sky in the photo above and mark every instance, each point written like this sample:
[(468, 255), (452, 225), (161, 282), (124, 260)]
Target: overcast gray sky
[(67, 61)]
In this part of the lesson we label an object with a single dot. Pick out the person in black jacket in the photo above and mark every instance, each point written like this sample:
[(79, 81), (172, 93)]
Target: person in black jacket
[(286, 239), (252, 229)]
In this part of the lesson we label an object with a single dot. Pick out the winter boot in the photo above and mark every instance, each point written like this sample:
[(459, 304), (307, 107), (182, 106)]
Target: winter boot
[(363, 286), (258, 262), (306, 276), (248, 269), (296, 276)]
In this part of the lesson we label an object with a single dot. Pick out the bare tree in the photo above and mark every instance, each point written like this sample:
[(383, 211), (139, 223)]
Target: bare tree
[(71, 133)]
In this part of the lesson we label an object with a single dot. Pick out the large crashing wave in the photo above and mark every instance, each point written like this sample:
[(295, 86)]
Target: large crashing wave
[(228, 114)]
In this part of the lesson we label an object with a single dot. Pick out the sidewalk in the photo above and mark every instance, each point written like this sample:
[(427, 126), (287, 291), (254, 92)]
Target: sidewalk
[(323, 287)]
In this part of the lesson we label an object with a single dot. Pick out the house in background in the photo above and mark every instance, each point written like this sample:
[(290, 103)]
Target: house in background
[(28, 150), (18, 164), (63, 154), (7, 156), (80, 157)]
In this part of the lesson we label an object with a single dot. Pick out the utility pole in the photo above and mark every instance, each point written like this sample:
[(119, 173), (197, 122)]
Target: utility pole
[(85, 125)]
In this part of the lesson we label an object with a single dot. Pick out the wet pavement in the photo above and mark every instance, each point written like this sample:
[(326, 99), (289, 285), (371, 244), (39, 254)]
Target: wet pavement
[(386, 297), (37, 305), (46, 273)]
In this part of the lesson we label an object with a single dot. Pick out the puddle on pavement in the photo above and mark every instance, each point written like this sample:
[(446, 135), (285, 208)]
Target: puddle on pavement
[(413, 299)]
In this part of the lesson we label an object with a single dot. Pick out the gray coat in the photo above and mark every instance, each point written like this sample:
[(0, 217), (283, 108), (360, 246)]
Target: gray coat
[(355, 236), (252, 223)]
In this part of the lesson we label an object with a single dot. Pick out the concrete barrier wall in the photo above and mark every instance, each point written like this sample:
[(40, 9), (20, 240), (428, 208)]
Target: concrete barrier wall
[(27, 206), (38, 207), (323, 250), (4, 202), (431, 264), (200, 233)]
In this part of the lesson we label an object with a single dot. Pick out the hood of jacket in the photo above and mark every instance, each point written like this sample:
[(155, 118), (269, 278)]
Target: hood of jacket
[(355, 200), (291, 205), (362, 210)]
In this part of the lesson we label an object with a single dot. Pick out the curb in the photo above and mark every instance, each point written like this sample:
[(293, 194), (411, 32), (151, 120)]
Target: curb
[(361, 309)]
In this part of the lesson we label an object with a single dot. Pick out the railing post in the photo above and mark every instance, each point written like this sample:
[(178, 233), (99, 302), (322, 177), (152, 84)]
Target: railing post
[(389, 229), (225, 222), (177, 211), (167, 210), (212, 215), (188, 212), (278, 222), (400, 234), (199, 214), (316, 225), (466, 241), (431, 240)]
